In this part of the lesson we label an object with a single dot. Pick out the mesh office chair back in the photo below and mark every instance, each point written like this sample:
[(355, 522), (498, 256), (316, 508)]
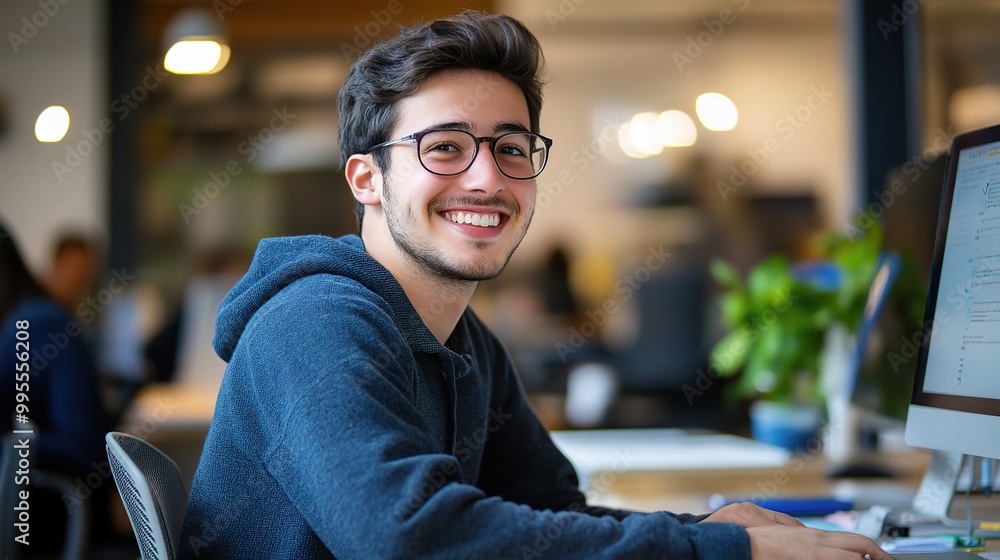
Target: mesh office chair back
[(150, 486)]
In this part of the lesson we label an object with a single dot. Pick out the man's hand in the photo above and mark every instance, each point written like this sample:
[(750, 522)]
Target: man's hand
[(776, 536), (786, 543), (749, 515)]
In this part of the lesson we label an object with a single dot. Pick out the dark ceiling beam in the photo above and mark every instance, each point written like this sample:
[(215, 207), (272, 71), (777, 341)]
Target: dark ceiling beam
[(268, 24)]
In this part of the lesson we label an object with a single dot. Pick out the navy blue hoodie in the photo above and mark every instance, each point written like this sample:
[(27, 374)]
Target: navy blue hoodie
[(344, 429)]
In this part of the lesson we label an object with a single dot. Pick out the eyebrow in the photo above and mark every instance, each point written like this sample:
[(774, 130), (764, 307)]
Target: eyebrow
[(498, 128), (503, 127)]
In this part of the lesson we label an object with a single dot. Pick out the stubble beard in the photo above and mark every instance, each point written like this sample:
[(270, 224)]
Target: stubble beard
[(423, 253)]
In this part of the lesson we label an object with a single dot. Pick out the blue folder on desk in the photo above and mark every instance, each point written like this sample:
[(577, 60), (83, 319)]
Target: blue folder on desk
[(804, 507)]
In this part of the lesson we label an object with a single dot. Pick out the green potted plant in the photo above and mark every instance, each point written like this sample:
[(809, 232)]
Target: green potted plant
[(780, 318)]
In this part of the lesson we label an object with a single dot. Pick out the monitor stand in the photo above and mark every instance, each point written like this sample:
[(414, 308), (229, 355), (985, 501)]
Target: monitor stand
[(938, 485)]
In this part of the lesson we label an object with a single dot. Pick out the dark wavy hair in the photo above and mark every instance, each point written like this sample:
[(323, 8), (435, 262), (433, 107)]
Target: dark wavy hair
[(396, 68), (16, 282)]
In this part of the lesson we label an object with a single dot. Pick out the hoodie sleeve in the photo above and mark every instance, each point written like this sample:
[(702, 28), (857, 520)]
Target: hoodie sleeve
[(522, 464), (348, 450)]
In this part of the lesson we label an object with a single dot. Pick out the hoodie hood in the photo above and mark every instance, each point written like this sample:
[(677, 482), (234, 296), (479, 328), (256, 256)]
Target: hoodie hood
[(281, 261)]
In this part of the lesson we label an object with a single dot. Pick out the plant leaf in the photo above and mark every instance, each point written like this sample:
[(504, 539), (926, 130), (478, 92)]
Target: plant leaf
[(725, 274), (731, 352), (735, 307)]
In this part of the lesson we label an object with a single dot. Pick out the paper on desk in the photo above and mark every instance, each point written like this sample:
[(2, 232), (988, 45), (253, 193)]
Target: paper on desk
[(919, 544), (870, 522)]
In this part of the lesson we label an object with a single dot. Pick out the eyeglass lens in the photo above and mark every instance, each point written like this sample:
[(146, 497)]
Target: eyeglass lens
[(450, 152)]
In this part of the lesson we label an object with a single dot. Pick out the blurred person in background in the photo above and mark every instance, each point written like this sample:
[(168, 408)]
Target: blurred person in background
[(74, 270), (64, 401)]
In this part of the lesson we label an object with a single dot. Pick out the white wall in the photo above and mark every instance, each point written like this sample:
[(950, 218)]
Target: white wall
[(57, 58)]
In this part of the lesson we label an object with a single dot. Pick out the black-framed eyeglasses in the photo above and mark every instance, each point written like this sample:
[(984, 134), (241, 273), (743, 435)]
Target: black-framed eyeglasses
[(448, 152)]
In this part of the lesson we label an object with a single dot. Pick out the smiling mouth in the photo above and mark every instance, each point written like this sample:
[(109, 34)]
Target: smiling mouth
[(486, 220)]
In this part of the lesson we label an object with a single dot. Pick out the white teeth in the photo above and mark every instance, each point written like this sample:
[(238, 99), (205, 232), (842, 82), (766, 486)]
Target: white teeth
[(481, 220)]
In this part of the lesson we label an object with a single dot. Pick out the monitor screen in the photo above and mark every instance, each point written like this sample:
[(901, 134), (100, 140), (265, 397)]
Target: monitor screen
[(956, 395)]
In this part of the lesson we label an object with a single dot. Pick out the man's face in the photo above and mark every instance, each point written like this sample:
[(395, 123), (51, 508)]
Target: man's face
[(73, 274), (426, 213)]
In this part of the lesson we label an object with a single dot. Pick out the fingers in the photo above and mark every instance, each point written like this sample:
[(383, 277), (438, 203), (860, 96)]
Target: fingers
[(856, 543), (779, 542)]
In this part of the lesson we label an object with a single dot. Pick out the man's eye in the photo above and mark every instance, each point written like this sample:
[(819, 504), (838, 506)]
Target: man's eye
[(511, 150), (443, 147)]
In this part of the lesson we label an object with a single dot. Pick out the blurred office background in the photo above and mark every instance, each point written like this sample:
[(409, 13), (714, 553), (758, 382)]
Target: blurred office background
[(178, 176)]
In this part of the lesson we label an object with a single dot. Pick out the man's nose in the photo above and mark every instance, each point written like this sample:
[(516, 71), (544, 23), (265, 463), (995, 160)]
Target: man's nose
[(484, 175)]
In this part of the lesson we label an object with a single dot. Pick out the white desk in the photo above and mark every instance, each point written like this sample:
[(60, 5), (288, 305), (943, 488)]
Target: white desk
[(171, 407), (175, 418), (663, 450)]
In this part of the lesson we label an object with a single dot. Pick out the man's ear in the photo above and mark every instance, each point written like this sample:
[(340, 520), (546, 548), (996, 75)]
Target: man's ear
[(364, 178)]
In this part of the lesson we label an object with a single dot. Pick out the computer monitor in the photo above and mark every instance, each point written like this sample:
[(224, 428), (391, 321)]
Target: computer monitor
[(955, 404)]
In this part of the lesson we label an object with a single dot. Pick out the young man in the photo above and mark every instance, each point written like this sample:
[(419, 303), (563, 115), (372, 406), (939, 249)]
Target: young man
[(366, 411), (74, 269)]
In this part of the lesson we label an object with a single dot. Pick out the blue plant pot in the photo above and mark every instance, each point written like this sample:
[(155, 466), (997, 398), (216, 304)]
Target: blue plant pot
[(792, 427)]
